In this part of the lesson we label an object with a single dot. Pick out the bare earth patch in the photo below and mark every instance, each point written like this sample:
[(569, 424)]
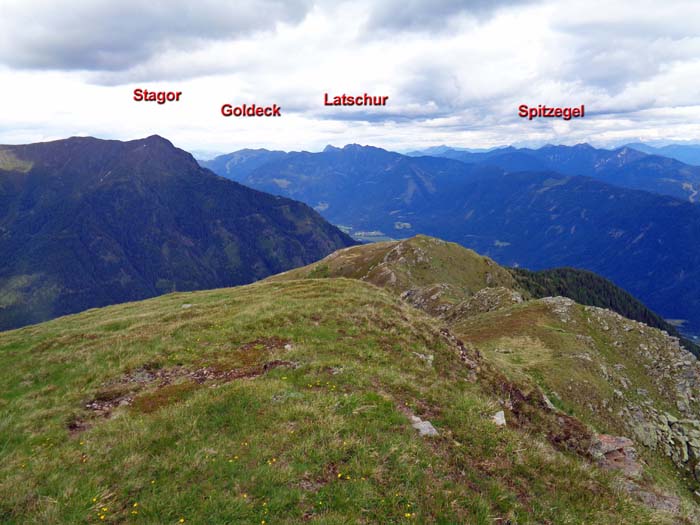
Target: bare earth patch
[(169, 385)]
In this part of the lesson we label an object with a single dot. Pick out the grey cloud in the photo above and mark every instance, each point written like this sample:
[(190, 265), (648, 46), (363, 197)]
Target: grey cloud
[(616, 62), (649, 25), (433, 82), (103, 35), (618, 51), (431, 15), (449, 93), (611, 67)]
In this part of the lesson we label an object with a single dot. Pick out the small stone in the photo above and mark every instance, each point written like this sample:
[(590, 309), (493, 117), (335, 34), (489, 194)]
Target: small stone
[(424, 428), (428, 358), (187, 305), (499, 418), (548, 403), (504, 350)]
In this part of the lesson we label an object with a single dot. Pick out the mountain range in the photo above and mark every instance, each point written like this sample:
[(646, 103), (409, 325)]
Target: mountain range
[(625, 166), (537, 218), (688, 153), (87, 222)]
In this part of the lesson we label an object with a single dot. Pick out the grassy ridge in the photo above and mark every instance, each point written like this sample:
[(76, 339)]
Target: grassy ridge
[(585, 367), (270, 403), (416, 265), (591, 289)]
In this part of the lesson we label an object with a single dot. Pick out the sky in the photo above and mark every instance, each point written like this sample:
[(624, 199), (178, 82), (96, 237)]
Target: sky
[(455, 72)]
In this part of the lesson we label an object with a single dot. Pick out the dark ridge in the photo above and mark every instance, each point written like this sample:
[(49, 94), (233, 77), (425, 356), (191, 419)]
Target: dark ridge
[(86, 223)]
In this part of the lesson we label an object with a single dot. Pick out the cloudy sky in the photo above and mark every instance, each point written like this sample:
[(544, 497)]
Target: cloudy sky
[(455, 71)]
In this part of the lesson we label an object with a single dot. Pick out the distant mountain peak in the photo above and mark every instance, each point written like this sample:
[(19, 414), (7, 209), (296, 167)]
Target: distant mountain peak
[(581, 146), (354, 148), (157, 139), (359, 148), (120, 221)]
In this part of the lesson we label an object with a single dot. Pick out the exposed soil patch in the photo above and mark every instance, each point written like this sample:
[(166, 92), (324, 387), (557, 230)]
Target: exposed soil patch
[(425, 410), (528, 410), (76, 425), (167, 386), (313, 484), (570, 434), (256, 351)]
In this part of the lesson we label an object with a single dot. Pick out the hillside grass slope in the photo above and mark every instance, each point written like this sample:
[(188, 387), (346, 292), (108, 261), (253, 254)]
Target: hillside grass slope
[(279, 402)]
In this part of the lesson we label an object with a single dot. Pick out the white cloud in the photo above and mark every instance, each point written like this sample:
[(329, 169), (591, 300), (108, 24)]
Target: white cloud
[(633, 64)]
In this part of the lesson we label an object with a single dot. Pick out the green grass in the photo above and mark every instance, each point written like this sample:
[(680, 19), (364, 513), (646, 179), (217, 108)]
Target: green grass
[(588, 288), (566, 360), (323, 438), (418, 262), (10, 162)]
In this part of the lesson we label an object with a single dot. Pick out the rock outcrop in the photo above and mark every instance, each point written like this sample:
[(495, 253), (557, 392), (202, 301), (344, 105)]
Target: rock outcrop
[(485, 300), (665, 416), (618, 453)]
